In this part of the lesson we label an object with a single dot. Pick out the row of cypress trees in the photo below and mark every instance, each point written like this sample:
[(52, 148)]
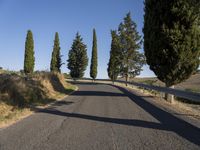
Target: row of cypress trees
[(77, 61)]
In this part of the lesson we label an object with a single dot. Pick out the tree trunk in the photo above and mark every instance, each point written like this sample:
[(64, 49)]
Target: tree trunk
[(126, 80), (169, 97)]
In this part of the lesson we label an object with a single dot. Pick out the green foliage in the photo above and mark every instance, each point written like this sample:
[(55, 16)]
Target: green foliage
[(56, 62), (78, 60), (131, 60), (29, 59), (149, 82), (115, 57), (66, 75), (172, 38), (94, 63), (195, 90), (130, 41)]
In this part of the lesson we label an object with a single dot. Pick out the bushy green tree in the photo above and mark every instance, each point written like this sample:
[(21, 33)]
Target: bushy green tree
[(94, 63), (130, 43), (29, 59), (78, 60), (56, 61), (115, 57), (172, 38)]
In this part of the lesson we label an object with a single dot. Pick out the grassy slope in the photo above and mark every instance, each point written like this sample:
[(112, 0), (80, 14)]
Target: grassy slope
[(38, 90)]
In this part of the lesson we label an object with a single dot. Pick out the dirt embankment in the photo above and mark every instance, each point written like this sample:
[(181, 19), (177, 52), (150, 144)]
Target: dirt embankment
[(19, 93)]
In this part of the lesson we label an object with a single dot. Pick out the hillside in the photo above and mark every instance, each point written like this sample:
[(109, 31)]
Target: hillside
[(191, 84)]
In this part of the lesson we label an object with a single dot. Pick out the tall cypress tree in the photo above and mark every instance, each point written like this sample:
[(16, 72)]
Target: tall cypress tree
[(130, 43), (172, 38), (115, 57), (78, 60), (29, 59), (56, 62), (94, 63)]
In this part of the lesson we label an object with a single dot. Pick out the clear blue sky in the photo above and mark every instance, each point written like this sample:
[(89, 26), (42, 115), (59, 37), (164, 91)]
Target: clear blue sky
[(45, 17)]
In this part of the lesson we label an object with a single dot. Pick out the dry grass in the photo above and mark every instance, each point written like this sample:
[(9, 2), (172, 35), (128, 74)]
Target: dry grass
[(10, 114), (19, 93)]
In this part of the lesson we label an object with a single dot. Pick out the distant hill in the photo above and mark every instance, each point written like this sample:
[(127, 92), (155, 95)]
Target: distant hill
[(191, 84)]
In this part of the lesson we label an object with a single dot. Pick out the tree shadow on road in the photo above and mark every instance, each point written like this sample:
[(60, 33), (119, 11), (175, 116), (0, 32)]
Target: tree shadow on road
[(96, 93), (83, 83), (129, 122), (168, 122)]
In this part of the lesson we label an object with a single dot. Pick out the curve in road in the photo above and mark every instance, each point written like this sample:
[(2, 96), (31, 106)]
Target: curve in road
[(101, 117)]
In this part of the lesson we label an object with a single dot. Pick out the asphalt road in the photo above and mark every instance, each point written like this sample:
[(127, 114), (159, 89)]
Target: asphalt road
[(101, 117)]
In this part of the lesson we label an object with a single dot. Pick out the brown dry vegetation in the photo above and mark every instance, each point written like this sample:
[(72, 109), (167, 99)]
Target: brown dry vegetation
[(19, 93)]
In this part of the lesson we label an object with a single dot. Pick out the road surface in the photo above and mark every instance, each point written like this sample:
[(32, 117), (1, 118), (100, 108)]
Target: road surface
[(101, 117)]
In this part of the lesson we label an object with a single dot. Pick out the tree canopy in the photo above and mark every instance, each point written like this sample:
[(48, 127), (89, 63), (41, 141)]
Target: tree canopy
[(115, 57), (172, 38), (78, 60), (128, 43), (94, 62), (29, 59), (56, 61)]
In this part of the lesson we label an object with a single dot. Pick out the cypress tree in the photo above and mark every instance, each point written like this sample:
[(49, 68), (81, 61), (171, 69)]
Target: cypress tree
[(130, 43), (56, 62), (29, 59), (115, 57), (94, 63), (172, 38), (78, 60)]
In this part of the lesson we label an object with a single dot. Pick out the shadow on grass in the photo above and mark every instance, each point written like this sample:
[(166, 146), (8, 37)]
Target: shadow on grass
[(58, 86), (187, 101)]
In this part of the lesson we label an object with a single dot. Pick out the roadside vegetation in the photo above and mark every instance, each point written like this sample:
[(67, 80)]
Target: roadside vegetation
[(77, 58), (20, 93), (125, 58), (94, 62)]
